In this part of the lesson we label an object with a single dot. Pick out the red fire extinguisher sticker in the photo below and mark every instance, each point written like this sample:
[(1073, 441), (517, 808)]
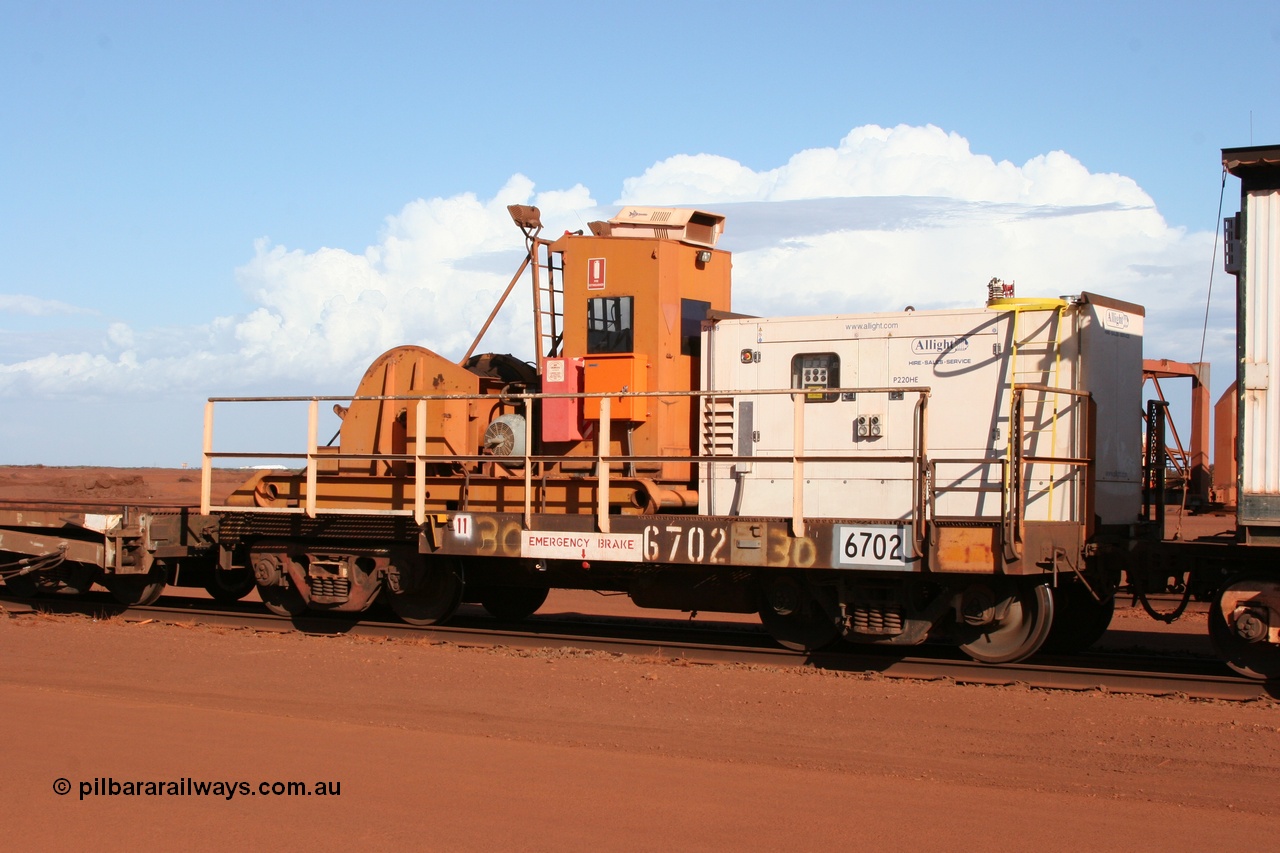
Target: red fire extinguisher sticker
[(595, 273)]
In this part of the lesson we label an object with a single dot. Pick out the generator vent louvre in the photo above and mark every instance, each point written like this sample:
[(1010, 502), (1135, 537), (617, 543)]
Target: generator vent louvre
[(717, 427)]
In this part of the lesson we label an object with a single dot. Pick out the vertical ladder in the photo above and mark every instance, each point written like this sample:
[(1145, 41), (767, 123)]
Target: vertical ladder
[(1037, 362), (1034, 368), (548, 301)]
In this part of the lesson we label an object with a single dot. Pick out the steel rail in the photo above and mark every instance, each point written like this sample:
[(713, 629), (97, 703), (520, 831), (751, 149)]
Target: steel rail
[(709, 644)]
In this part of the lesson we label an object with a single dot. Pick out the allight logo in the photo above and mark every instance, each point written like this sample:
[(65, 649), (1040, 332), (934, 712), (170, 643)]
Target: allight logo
[(1117, 321), (937, 346)]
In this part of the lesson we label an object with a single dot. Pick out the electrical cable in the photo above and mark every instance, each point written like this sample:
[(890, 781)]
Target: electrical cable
[(1204, 334)]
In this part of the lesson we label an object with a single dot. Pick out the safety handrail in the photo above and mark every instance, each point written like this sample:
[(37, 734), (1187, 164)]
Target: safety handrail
[(1081, 460), (313, 455)]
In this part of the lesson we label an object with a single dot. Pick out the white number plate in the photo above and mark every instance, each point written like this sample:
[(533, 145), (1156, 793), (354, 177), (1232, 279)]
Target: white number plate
[(874, 546)]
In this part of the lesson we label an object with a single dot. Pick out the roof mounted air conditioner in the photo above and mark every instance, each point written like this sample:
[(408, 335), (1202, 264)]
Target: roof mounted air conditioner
[(695, 227)]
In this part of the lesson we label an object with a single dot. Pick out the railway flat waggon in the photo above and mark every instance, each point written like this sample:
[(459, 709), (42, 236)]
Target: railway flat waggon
[(974, 476)]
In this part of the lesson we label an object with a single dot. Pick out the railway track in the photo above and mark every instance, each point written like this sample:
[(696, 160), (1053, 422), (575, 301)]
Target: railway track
[(703, 643)]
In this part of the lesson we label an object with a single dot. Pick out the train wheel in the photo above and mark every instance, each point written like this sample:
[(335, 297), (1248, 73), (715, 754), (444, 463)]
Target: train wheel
[(795, 618), (1241, 619), (136, 590), (1017, 634), (283, 600), (230, 586), (1079, 620), (434, 594), (512, 603)]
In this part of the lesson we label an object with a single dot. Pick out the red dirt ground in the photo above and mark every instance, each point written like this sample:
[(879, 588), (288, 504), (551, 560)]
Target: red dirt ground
[(441, 747), (176, 486)]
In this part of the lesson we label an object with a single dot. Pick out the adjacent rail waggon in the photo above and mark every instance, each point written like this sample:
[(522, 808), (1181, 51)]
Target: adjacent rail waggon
[(972, 476)]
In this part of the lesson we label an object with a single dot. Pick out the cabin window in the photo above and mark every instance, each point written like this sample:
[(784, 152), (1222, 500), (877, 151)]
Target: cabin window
[(609, 325), (692, 313), (815, 371)]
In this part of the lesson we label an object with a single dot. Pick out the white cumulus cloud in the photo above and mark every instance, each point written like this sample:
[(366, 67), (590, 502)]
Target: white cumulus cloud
[(885, 218), (331, 309), (910, 215), (34, 306), (878, 161)]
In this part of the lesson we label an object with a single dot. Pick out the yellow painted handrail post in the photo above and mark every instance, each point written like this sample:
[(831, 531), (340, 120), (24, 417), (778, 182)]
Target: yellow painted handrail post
[(924, 493), (602, 468), (528, 464), (313, 426), (797, 466), (206, 462), (1057, 383), (420, 464)]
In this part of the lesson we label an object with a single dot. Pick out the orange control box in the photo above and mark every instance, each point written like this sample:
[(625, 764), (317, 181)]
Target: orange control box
[(616, 372)]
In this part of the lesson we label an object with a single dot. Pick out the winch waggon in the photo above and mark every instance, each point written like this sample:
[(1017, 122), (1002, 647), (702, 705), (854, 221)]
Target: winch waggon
[(979, 476)]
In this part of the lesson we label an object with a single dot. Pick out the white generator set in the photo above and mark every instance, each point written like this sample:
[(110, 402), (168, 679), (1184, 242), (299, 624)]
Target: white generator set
[(954, 418)]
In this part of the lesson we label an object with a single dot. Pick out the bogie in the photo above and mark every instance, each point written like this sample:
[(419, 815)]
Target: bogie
[(1081, 615), (429, 591), (137, 589), (799, 614), (228, 586), (1244, 625), (1012, 625), (294, 576)]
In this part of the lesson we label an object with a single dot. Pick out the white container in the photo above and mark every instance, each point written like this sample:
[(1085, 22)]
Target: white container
[(970, 362), (1259, 501)]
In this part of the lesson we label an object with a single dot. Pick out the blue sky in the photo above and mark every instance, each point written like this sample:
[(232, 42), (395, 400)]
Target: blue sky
[(260, 198)]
